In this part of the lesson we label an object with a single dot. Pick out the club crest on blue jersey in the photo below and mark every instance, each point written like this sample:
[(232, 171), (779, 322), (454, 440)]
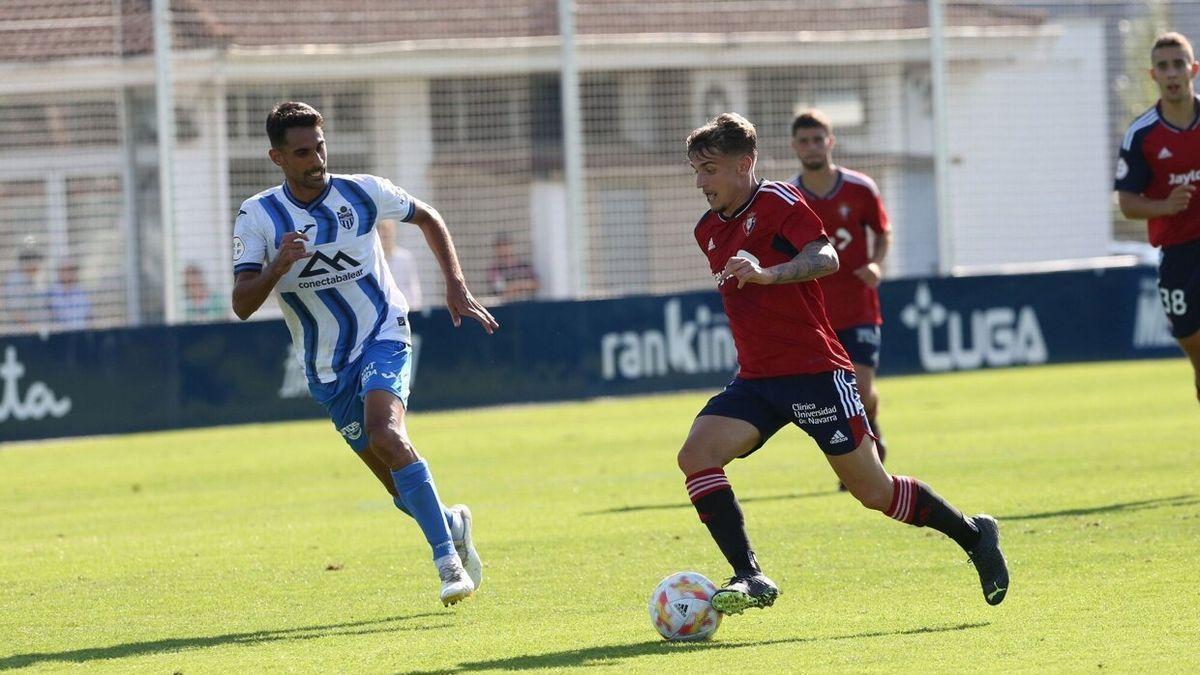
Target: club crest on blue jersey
[(345, 217)]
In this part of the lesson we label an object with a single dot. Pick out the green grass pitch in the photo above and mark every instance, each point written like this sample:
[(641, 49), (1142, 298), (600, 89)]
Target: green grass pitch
[(270, 548)]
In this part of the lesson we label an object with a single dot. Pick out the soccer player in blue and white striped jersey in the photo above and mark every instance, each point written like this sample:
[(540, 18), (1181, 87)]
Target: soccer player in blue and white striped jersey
[(313, 241)]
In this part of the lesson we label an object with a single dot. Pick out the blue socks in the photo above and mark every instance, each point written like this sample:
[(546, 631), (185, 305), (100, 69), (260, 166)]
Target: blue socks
[(419, 498), (446, 513)]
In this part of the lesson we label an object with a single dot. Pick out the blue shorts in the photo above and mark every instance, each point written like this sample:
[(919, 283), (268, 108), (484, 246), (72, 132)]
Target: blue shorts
[(824, 405), (1179, 287), (862, 344), (386, 366)]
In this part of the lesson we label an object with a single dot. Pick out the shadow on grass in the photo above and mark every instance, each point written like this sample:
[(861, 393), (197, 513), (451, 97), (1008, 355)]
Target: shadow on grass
[(611, 654), (90, 654), (688, 505), (1162, 502)]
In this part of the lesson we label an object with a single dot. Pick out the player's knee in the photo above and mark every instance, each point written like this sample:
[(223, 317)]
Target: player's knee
[(693, 458), (391, 446), (684, 460), (379, 433), (396, 455)]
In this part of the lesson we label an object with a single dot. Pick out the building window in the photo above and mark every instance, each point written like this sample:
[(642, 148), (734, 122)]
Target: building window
[(89, 121), (474, 113), (342, 106), (778, 94), (645, 112), (144, 114), (599, 100)]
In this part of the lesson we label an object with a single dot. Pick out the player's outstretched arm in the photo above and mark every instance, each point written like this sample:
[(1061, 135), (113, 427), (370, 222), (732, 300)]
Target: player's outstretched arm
[(459, 300), (814, 261), (251, 289), (1138, 207)]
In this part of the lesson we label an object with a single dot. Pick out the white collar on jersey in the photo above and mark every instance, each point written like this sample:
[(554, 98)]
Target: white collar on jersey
[(287, 192)]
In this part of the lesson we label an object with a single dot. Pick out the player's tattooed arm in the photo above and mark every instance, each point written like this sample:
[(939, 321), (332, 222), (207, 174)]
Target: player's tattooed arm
[(814, 261)]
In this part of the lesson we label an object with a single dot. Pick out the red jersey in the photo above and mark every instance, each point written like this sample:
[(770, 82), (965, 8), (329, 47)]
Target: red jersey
[(1156, 157), (778, 329), (848, 210)]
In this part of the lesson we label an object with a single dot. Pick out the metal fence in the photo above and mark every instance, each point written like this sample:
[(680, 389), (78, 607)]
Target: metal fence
[(992, 135)]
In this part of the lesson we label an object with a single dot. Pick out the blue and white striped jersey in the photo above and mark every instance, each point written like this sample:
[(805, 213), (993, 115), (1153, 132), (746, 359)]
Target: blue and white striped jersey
[(342, 298)]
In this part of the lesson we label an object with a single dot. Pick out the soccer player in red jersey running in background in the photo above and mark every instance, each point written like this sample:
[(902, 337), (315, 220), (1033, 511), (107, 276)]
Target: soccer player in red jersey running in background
[(765, 250), (849, 205), (1156, 180)]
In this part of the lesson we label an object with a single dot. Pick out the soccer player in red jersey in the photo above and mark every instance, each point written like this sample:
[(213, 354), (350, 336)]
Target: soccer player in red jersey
[(765, 249), (849, 205), (1157, 172)]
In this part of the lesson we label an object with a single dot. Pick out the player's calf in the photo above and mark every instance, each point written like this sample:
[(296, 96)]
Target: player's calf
[(416, 488), (1191, 347), (874, 495), (713, 442), (862, 475), (718, 508), (916, 503)]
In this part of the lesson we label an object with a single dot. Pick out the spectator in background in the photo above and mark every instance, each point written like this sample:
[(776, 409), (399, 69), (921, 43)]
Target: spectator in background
[(511, 277), (24, 297), (403, 265), (200, 303), (70, 307)]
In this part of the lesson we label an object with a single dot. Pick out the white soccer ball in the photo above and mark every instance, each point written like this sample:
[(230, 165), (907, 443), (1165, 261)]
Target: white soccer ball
[(680, 607)]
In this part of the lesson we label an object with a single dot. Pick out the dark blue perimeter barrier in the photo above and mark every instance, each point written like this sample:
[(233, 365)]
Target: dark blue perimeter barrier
[(199, 375)]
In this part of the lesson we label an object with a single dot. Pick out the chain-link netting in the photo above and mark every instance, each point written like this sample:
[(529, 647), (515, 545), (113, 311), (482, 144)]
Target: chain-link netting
[(461, 103)]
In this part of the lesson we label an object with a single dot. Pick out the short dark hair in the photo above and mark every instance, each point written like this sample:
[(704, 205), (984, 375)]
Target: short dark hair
[(812, 119), (726, 134), (288, 115), (1172, 39)]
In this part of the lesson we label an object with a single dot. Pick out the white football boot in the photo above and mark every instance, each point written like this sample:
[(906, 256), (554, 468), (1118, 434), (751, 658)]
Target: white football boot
[(465, 546), (456, 585)]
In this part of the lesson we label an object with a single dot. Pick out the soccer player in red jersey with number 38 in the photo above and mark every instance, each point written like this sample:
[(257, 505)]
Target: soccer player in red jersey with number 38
[(1157, 174), (765, 250)]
